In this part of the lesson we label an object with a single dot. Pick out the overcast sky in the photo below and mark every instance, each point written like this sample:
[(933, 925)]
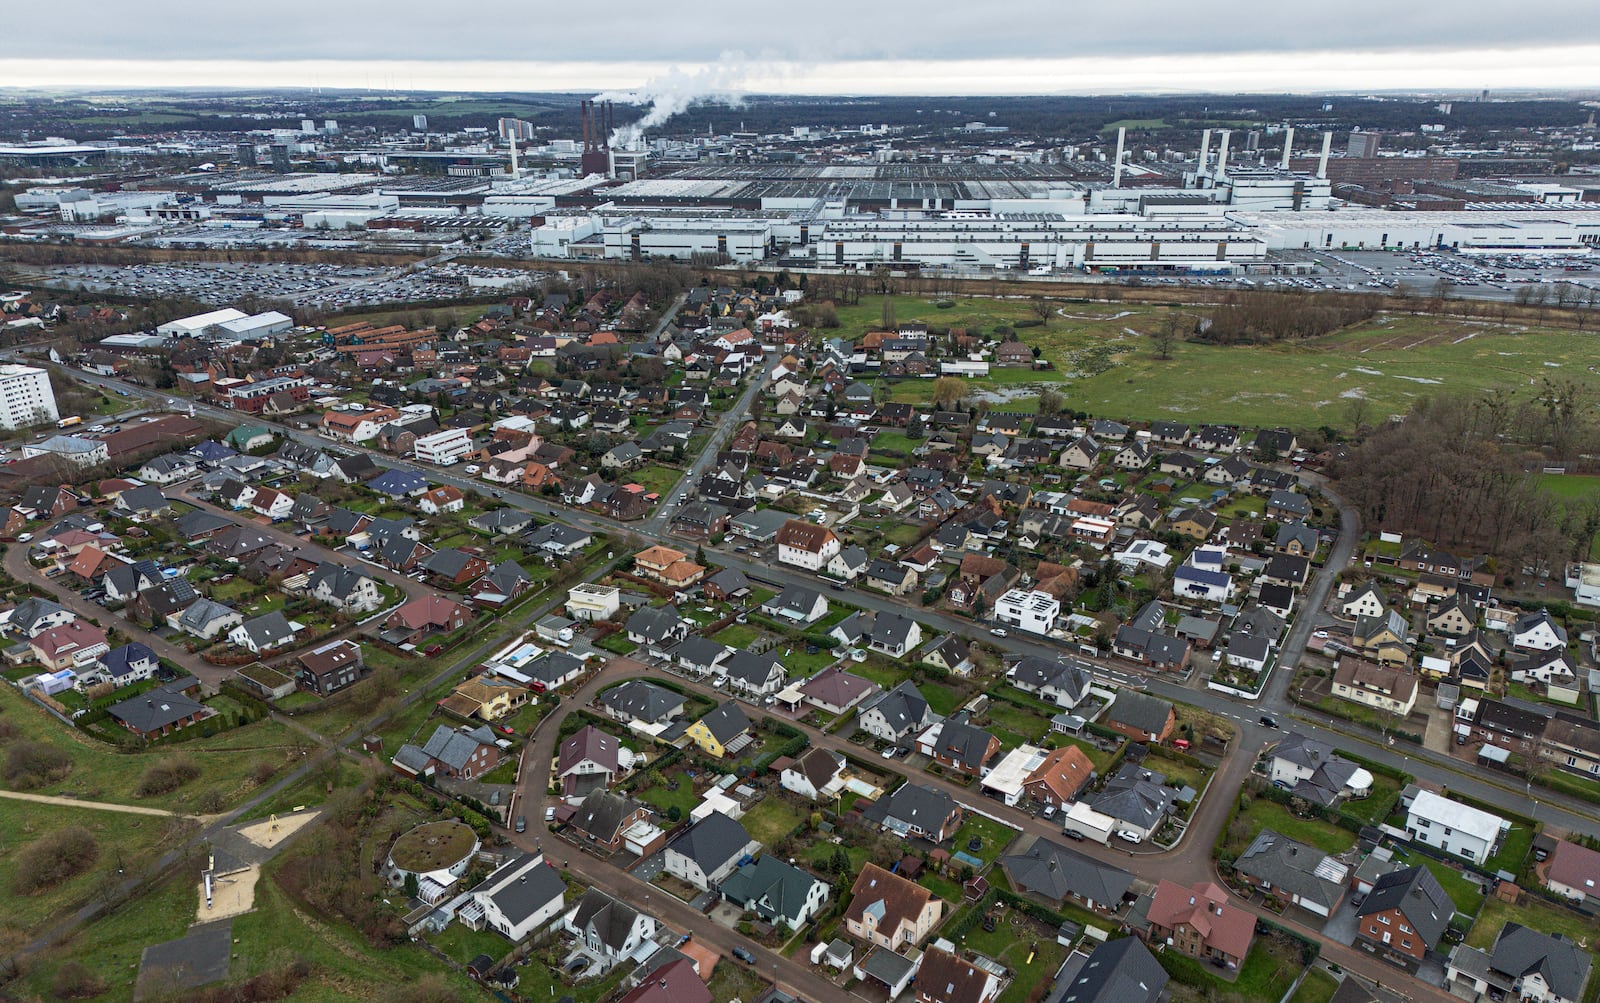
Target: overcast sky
[(819, 46)]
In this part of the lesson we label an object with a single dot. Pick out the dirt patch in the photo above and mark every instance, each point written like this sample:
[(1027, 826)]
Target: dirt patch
[(271, 832), (231, 894)]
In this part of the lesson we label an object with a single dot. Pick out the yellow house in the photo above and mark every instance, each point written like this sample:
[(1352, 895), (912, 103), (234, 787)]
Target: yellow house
[(485, 698), (724, 731)]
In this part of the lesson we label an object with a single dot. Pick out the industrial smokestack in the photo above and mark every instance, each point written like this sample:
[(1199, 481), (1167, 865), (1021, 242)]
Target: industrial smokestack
[(611, 123), (1322, 164), (1222, 155), (1288, 144), (583, 109), (513, 156), (1205, 151), (1116, 176)]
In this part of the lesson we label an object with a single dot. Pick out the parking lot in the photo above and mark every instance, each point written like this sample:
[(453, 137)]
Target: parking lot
[(302, 284)]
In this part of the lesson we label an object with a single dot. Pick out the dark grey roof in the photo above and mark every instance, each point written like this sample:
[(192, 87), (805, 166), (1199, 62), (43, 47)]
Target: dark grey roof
[(964, 743), (1140, 710), (903, 707), (341, 581), (156, 709), (1055, 871), (269, 630), (522, 886), (1119, 971), (770, 887), (199, 521), (712, 842), (1519, 952), (642, 700), (1417, 893), (753, 669), (1048, 672), (892, 629), (601, 814), (926, 808), (726, 722), (1137, 796), (144, 498), (1293, 867), (611, 919), (655, 623), (454, 747), (553, 667), (447, 562)]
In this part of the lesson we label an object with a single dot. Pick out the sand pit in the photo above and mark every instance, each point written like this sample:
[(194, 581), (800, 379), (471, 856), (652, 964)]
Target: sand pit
[(231, 894), (269, 834)]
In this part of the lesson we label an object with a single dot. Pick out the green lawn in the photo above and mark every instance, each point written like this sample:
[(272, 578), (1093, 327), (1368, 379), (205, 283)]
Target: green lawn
[(227, 760), (944, 700), (1317, 987), (1533, 914), (1030, 953), (996, 837), (1266, 814), (1375, 807), (653, 477), (463, 945), (1575, 487), (771, 819), (1031, 725), (737, 635), (127, 841), (885, 674), (1267, 973), (819, 855), (618, 644), (1514, 850), (662, 797)]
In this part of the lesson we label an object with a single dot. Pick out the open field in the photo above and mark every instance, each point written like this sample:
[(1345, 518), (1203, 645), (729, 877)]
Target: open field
[(1390, 361), (1533, 914), (227, 761), (123, 840)]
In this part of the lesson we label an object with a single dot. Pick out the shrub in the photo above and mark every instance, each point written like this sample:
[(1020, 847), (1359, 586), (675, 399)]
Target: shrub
[(9, 732), (166, 776), (428, 989), (48, 862), (34, 764), (74, 981)]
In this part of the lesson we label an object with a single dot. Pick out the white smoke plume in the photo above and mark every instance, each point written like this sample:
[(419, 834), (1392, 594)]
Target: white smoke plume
[(675, 91)]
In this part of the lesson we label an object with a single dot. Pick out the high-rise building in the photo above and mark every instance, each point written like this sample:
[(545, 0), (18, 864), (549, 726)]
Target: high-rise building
[(1363, 144), (330, 127), (515, 129), (26, 397), (280, 157), (245, 153), (308, 127), (419, 123)]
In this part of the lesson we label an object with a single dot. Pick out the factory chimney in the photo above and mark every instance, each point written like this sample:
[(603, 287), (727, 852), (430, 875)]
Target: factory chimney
[(1116, 176), (1222, 155), (513, 156), (583, 109), (1205, 152), (1288, 144), (1322, 163)]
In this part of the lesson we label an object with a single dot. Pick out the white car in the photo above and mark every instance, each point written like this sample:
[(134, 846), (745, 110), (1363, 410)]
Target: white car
[(471, 469), (998, 632), (1129, 835)]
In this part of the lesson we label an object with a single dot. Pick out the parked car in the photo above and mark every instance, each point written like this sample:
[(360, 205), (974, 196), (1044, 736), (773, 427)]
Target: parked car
[(550, 813), (1129, 835), (744, 955), (522, 823), (1074, 834), (998, 632)]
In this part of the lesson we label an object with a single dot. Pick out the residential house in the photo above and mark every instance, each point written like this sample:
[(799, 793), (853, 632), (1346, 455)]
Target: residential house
[(1139, 799), (1537, 632), (1391, 690), (1141, 717), (724, 731), (1201, 922), (945, 977), (916, 810), (1059, 874), (73, 644), (893, 715), (1063, 683), (1573, 872), (834, 691), (330, 667), (129, 664), (343, 588), (806, 545), (708, 851), (958, 745), (517, 898), (1118, 971), (416, 619), (1509, 727), (1294, 872), (776, 892), (607, 929), (1405, 913), (815, 776), (1060, 777), (1453, 827), (1455, 616), (161, 711), (888, 910), (267, 632), (1524, 964), (1310, 769), (755, 675), (894, 634), (457, 753), (642, 702), (797, 604), (603, 818), (1572, 743), (657, 627)]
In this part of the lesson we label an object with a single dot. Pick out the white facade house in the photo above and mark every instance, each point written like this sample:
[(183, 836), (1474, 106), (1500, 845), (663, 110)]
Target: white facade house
[(1537, 632), (26, 397), (1454, 827), (520, 897), (1035, 612), (443, 447), (586, 601), (1202, 584)]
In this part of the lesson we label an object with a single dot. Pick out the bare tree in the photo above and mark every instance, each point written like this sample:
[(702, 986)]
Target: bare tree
[(1042, 309), (1165, 336)]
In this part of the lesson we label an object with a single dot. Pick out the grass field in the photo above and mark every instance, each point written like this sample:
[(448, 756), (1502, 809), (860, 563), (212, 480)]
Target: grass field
[(996, 838), (1265, 814), (1390, 361), (1317, 987), (770, 820), (1027, 950), (227, 760), (1534, 915), (125, 841), (1467, 895)]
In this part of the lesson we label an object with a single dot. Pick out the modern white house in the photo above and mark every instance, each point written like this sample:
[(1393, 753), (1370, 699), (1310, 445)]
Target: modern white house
[(519, 897), (443, 447), (586, 601), (1033, 611), (1454, 827)]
